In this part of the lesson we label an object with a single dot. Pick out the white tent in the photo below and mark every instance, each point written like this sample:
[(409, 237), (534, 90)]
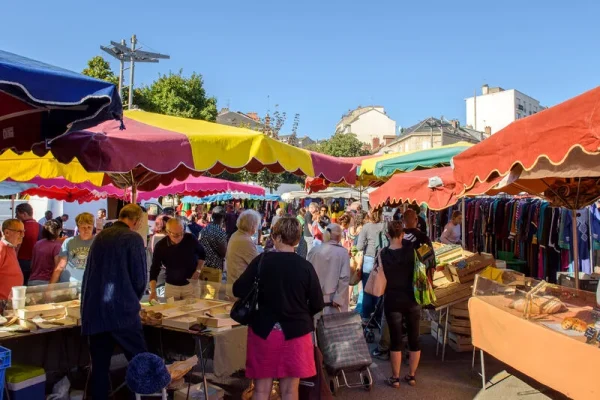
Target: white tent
[(329, 193)]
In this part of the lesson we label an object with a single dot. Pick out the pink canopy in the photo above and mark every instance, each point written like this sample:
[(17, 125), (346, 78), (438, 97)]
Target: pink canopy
[(61, 189), (200, 186)]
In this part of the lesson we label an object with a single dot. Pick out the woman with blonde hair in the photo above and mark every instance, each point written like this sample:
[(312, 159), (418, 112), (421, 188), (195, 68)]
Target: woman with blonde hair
[(280, 343), (241, 249)]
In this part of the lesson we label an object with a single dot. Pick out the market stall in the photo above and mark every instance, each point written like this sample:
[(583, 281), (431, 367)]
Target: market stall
[(546, 331)]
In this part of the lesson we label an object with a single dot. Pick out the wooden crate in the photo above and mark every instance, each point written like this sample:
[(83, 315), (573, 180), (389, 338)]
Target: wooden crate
[(457, 312), (458, 343), (476, 263), (452, 292), (462, 322)]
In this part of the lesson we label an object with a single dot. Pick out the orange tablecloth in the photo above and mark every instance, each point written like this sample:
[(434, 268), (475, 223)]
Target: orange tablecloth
[(560, 362)]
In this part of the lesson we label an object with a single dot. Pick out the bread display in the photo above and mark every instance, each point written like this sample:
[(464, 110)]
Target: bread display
[(575, 324), (539, 305)]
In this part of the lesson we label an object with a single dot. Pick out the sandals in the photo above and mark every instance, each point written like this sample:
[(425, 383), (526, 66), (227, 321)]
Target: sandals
[(410, 380), (393, 382)]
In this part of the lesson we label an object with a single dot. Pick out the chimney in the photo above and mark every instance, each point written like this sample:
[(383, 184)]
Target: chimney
[(455, 123), (388, 139), (375, 143), (252, 115), (485, 89), (488, 131)]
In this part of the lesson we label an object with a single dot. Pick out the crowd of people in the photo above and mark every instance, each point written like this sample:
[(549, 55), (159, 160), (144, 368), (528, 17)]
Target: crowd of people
[(304, 271)]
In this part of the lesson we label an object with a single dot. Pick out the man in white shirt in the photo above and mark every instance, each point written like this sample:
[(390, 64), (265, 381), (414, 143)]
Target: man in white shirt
[(47, 217)]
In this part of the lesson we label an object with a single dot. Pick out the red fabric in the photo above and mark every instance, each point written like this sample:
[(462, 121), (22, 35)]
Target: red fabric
[(279, 358), (552, 133), (337, 169), (18, 128), (413, 187), (32, 233), (10, 272)]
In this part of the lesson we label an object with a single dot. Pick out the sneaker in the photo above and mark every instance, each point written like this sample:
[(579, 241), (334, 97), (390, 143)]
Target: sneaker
[(381, 355)]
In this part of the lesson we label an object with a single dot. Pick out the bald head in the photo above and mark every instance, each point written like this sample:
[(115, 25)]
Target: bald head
[(410, 219), (335, 232)]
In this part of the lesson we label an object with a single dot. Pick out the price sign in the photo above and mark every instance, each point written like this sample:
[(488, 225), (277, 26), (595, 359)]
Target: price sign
[(590, 334)]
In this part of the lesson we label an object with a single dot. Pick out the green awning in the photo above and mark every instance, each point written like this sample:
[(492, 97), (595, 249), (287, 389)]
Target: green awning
[(430, 158)]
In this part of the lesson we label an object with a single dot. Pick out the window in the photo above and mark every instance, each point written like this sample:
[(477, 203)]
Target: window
[(520, 107)]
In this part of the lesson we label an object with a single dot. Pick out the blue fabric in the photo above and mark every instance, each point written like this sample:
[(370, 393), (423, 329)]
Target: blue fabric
[(147, 374), (45, 85), (368, 263), (114, 281), (368, 301), (228, 196), (76, 251)]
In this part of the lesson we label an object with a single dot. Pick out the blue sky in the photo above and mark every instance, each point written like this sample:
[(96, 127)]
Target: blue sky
[(321, 58)]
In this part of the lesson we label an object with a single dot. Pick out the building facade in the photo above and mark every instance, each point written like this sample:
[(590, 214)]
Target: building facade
[(367, 123), (496, 108), (432, 132), (301, 142)]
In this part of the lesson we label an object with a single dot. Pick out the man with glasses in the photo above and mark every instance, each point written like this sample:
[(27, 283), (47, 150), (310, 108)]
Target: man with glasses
[(183, 257), (10, 271), (114, 282)]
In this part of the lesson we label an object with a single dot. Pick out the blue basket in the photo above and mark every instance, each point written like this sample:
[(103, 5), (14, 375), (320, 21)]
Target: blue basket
[(4, 364)]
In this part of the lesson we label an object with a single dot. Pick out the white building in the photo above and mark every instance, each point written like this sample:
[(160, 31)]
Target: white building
[(496, 108), (367, 123)]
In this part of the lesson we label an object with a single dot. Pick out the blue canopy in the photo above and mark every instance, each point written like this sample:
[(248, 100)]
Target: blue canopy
[(40, 101), (215, 198)]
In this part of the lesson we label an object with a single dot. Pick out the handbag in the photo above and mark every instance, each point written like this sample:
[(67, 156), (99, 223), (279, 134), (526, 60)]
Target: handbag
[(316, 387), (377, 282), (243, 309), (424, 294)]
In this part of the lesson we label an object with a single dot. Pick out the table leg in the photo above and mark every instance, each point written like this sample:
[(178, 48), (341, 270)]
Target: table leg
[(445, 334), (439, 329), (483, 381), (202, 365)]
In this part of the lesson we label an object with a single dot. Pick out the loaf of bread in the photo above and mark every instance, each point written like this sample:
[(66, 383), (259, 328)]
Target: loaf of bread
[(539, 305)]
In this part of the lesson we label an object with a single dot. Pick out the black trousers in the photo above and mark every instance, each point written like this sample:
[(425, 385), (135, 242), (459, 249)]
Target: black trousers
[(25, 269), (102, 346), (395, 315)]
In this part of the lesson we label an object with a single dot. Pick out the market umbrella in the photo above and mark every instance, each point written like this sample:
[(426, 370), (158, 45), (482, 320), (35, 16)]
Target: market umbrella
[(434, 187), (383, 167), (329, 193), (62, 189), (40, 101), (229, 196), (554, 154), (155, 149), (200, 186)]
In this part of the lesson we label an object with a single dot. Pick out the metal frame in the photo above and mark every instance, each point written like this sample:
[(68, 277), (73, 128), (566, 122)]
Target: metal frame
[(445, 328), (482, 361)]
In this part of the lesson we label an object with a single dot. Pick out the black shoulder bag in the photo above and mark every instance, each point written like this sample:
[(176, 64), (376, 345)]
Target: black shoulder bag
[(243, 309)]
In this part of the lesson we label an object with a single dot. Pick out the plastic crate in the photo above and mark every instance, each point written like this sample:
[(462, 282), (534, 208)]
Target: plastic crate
[(4, 364)]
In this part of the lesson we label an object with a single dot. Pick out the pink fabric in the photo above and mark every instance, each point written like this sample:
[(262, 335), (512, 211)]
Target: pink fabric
[(200, 186), (279, 358)]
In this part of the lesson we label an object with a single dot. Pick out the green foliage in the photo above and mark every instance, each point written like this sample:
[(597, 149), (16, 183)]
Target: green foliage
[(340, 145), (99, 68), (176, 95)]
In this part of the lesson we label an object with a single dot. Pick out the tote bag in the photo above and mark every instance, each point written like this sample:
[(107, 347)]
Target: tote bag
[(377, 282), (424, 294)]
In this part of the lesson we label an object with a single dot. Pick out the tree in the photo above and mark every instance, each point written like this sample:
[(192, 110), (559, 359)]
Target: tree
[(341, 145), (176, 95), (99, 68)]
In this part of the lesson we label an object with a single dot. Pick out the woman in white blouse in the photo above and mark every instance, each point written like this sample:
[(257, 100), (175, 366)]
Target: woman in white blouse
[(241, 249)]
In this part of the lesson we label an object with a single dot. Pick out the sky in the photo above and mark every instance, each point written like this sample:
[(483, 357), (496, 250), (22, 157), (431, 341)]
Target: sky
[(322, 58)]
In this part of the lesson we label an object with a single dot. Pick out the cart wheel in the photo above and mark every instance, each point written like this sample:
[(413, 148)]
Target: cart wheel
[(333, 386), (370, 336)]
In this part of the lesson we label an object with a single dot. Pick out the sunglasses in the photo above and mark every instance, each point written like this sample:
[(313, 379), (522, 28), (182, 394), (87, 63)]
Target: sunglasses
[(19, 231)]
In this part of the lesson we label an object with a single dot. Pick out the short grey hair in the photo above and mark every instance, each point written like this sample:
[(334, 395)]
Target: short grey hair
[(248, 221), (279, 211), (175, 221)]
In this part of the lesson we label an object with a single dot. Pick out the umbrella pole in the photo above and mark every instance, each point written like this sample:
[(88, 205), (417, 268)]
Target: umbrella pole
[(12, 205), (575, 247), (463, 228), (134, 194)]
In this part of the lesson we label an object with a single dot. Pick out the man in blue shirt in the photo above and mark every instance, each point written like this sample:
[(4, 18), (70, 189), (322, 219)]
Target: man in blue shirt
[(113, 284)]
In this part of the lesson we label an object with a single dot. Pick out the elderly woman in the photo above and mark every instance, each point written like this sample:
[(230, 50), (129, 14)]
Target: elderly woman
[(241, 249), (280, 342)]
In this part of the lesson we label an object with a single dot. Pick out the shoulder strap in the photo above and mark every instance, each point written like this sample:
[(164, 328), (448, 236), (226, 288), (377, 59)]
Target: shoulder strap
[(262, 257)]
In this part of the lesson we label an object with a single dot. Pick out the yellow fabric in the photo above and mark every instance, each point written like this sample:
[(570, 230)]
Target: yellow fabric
[(230, 146), (494, 274), (27, 166)]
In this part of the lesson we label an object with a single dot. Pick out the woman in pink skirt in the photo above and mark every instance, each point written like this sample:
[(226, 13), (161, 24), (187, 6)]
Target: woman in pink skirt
[(280, 341)]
